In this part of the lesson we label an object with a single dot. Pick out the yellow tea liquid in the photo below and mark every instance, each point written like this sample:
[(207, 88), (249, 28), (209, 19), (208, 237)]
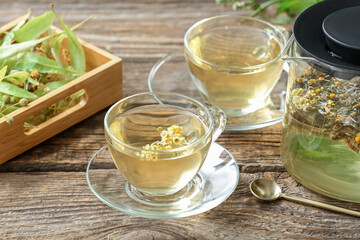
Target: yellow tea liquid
[(169, 171), (321, 164), (223, 78)]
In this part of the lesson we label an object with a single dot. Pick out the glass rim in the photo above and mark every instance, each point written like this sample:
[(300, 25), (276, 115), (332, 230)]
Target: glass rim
[(277, 30), (139, 149)]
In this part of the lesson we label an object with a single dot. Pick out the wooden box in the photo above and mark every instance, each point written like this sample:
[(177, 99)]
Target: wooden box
[(102, 85)]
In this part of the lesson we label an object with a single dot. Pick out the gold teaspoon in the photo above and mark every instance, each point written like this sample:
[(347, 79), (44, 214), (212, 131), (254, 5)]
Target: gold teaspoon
[(269, 190)]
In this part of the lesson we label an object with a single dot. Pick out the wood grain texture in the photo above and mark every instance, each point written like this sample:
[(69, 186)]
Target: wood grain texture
[(59, 204), (44, 193)]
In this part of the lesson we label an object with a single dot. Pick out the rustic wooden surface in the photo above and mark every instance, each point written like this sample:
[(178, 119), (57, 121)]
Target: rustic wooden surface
[(44, 193)]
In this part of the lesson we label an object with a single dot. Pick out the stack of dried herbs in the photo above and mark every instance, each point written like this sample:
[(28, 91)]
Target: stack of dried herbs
[(330, 104), (33, 63)]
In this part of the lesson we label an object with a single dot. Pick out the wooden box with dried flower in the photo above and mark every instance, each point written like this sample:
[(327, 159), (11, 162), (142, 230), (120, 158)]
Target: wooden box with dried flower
[(26, 121)]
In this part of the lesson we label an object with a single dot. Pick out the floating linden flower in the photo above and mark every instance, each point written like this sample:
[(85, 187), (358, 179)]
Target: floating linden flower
[(171, 138)]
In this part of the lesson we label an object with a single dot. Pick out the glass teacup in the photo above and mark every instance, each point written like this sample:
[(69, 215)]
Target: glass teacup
[(159, 141), (234, 61)]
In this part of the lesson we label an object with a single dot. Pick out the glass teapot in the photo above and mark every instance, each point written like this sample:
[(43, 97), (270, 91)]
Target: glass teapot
[(321, 125)]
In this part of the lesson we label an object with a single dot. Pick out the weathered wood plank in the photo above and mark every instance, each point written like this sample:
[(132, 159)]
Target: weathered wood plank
[(60, 205)]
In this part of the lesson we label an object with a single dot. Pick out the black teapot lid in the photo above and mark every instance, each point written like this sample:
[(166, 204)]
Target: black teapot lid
[(329, 31)]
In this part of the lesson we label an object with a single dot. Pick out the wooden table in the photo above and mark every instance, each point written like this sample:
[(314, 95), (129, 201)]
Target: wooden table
[(44, 193)]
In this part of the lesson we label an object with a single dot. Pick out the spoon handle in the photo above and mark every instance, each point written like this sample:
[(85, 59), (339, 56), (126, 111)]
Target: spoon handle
[(321, 205)]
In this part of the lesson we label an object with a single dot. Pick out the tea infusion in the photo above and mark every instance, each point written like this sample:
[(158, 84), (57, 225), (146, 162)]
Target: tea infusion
[(234, 74), (321, 134), (154, 128)]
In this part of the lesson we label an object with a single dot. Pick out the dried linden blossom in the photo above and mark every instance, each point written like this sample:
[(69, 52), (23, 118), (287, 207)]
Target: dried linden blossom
[(170, 139), (334, 103)]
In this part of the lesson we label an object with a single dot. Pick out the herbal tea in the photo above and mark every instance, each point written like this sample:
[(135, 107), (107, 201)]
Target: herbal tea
[(320, 163), (168, 158), (321, 138), (235, 73)]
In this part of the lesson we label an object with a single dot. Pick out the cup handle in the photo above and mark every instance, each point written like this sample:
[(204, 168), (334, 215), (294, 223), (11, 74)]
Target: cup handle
[(219, 121)]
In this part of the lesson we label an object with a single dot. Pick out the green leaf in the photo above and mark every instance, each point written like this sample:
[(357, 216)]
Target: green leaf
[(7, 108), (34, 28), (9, 36), (7, 39), (33, 81), (13, 90), (22, 22), (13, 49), (28, 126), (45, 46), (30, 62), (76, 51), (296, 6), (264, 5), (282, 20), (17, 77), (55, 50), (55, 85), (57, 42), (333, 157), (3, 73), (51, 86)]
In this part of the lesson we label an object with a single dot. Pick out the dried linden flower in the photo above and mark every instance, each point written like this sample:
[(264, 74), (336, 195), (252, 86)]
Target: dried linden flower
[(171, 138), (53, 77), (357, 138), (332, 95), (332, 103), (34, 74), (66, 54)]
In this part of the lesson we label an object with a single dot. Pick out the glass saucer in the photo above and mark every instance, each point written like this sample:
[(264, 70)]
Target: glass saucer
[(170, 74), (219, 176)]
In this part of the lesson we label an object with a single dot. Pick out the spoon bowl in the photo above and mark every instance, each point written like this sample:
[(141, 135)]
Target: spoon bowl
[(265, 189)]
